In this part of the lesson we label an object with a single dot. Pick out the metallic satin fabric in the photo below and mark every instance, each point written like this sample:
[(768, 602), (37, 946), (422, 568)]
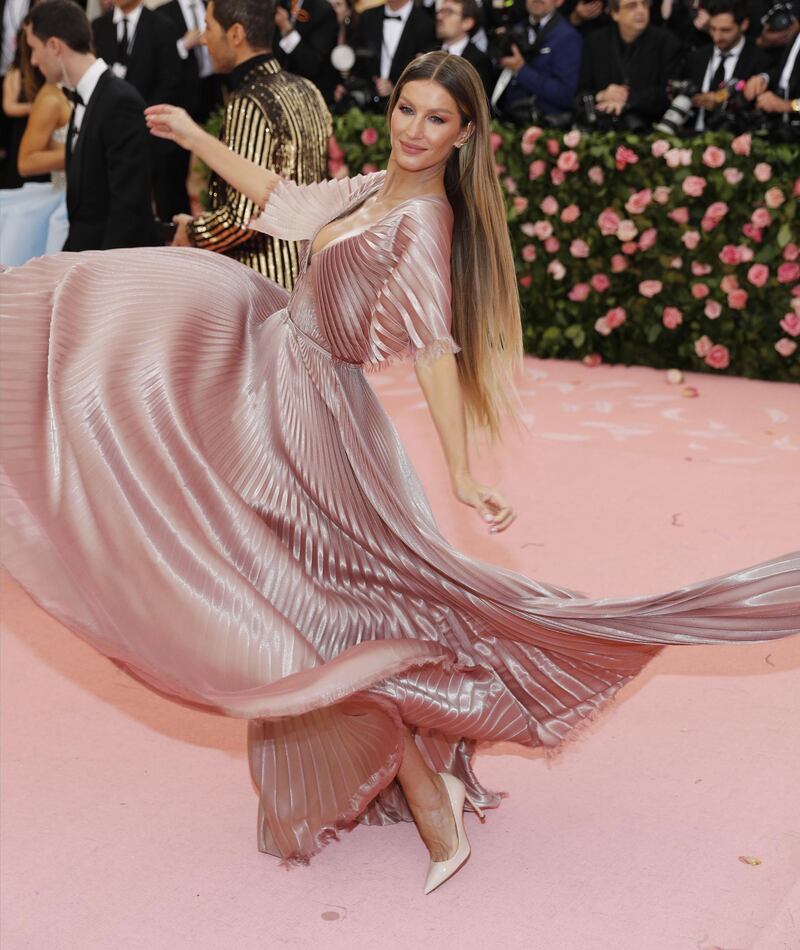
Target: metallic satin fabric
[(281, 122), (198, 479)]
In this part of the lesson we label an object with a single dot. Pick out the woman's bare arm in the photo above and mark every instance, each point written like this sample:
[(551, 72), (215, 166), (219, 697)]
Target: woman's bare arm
[(38, 154), (440, 384), (253, 181), (12, 84)]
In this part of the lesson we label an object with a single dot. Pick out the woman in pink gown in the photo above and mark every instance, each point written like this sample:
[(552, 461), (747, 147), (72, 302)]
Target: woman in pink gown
[(198, 480)]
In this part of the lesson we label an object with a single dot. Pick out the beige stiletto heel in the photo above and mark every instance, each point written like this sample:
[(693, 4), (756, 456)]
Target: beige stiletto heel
[(440, 871)]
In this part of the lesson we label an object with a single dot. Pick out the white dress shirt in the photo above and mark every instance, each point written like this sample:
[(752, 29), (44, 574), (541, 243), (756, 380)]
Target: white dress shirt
[(289, 42), (539, 26), (392, 31), (85, 89), (457, 48), (713, 64), (133, 22), (786, 72), (194, 14)]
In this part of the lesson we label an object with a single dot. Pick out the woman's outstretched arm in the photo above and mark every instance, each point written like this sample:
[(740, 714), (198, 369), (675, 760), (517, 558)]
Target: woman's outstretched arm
[(253, 181), (440, 384)]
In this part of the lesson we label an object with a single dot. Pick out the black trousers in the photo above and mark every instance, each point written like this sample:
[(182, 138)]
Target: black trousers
[(170, 170)]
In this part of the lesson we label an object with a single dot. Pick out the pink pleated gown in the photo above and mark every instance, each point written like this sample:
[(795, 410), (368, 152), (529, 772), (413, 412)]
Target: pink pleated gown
[(198, 480)]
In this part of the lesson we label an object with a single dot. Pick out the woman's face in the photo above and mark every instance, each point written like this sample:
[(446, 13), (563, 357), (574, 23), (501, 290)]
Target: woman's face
[(425, 126)]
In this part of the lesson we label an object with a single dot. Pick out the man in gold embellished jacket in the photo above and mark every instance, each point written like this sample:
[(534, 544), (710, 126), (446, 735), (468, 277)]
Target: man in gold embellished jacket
[(272, 117)]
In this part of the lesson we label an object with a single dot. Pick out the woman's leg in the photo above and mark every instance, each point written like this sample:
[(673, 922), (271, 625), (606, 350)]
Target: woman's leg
[(428, 801)]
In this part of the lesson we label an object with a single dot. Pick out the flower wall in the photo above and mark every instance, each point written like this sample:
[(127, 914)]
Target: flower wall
[(642, 250)]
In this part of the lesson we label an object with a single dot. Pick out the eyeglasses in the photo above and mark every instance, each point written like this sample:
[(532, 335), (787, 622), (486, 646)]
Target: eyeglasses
[(449, 11)]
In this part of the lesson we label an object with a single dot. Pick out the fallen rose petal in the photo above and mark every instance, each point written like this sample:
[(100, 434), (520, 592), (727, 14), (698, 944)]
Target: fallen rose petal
[(674, 376), (753, 862)]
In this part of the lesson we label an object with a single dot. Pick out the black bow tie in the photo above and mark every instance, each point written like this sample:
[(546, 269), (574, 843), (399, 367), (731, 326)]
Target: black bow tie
[(388, 16), (74, 96)]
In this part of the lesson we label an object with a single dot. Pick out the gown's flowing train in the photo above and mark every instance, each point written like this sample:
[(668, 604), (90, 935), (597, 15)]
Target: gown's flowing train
[(198, 479)]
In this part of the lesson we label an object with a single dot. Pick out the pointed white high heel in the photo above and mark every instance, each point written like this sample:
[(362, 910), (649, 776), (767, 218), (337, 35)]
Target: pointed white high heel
[(440, 871)]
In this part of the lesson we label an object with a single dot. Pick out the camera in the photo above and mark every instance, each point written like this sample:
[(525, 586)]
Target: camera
[(502, 41), (779, 17), (359, 92), (587, 117), (680, 92)]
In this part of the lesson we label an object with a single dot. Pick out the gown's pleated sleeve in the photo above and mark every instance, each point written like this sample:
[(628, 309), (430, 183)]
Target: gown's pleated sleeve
[(412, 315), (296, 212)]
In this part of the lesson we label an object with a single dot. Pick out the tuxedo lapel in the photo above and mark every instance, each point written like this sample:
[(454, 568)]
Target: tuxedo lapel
[(546, 32), (76, 163)]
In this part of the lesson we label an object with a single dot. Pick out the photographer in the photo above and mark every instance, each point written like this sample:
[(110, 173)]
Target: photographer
[(308, 31), (540, 58), (626, 66), (778, 26), (455, 21), (731, 56), (778, 92)]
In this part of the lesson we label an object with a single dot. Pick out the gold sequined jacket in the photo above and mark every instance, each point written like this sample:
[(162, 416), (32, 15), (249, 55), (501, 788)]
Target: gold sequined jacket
[(281, 122)]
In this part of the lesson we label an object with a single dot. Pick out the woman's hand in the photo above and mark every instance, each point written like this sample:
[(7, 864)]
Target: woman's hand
[(173, 123), (490, 503)]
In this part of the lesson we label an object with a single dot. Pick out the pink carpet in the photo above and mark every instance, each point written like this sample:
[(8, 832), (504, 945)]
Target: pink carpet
[(128, 822)]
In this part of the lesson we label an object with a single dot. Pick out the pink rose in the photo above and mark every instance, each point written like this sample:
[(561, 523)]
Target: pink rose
[(510, 185), (761, 218), (791, 252), (712, 309), (625, 156), (673, 158), (596, 175), (693, 186), (676, 263), (570, 213), (763, 172), (526, 281), (602, 327), (791, 324), (785, 347), (536, 169), (639, 201), (592, 359), (713, 157), (659, 148), (557, 177), (369, 136), (648, 239), (528, 229), (703, 346), (650, 288), (671, 317), (368, 168), (549, 205), (542, 229), (661, 194), (572, 139), (679, 215), (690, 240), (629, 247), (729, 283), (700, 291), (774, 198), (556, 270), (708, 224), (495, 140), (751, 231), (552, 245), (529, 139), (627, 230), (615, 317), (528, 253), (579, 292), (618, 264), (718, 357), (700, 270), (733, 176), (758, 275), (340, 171), (608, 222), (553, 148), (600, 282), (717, 210), (745, 254), (788, 272), (729, 254), (335, 151), (579, 248), (520, 204), (737, 299), (568, 161), (741, 144), (796, 188)]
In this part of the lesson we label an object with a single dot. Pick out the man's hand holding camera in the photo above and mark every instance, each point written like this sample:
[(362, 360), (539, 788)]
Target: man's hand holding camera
[(612, 99), (515, 61)]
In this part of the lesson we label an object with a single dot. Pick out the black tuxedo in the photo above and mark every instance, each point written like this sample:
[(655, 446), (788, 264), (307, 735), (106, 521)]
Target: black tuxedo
[(318, 27), (793, 92), (108, 172), (751, 62), (154, 69), (419, 34), (199, 96), (482, 64)]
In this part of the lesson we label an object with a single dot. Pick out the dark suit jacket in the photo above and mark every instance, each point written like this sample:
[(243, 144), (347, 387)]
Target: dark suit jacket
[(108, 172), (483, 64), (311, 58), (751, 62), (646, 66), (551, 69), (419, 34), (154, 67), (794, 79), (198, 96)]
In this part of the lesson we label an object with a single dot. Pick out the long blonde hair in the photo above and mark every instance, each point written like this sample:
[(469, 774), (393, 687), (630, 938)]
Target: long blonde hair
[(485, 302)]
